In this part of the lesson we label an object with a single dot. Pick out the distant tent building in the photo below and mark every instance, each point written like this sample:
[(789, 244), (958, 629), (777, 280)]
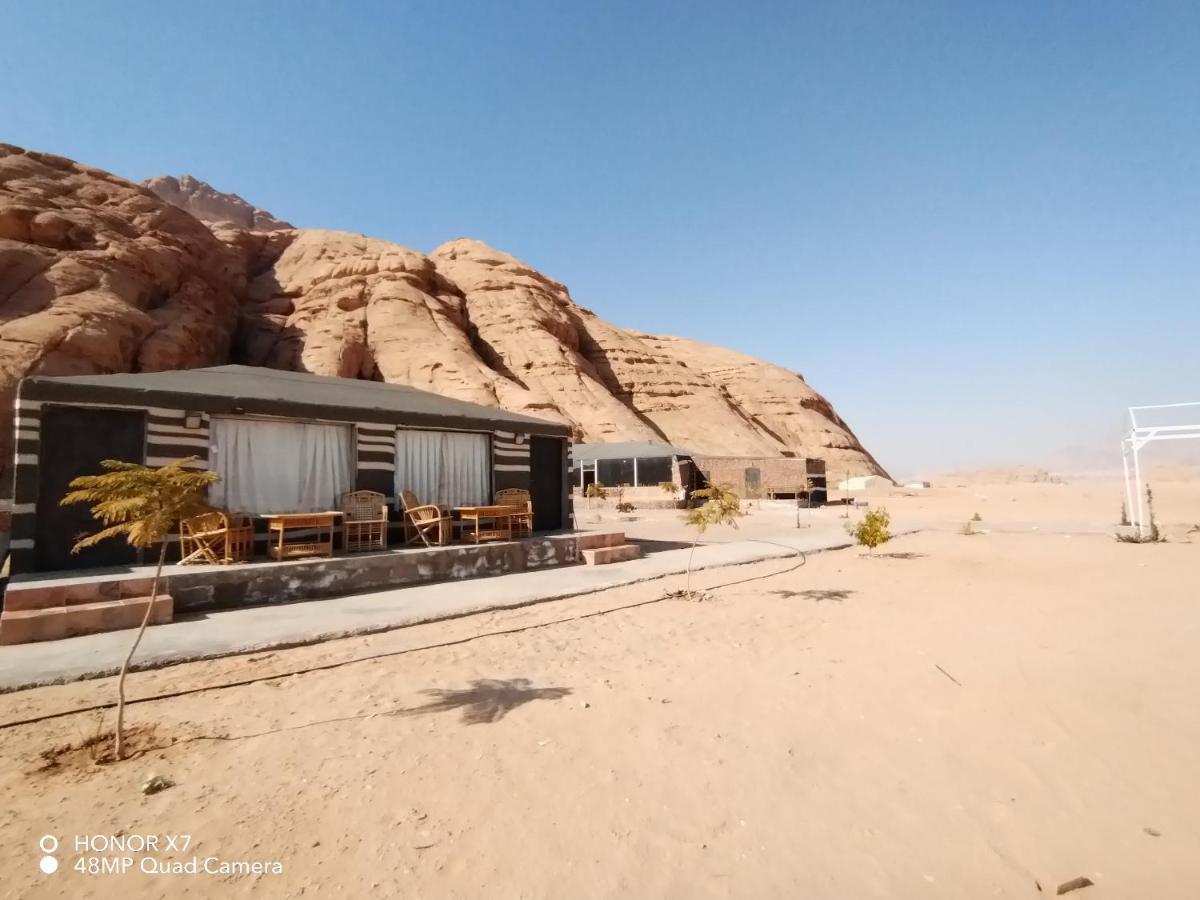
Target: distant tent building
[(769, 477), (862, 482), (637, 465), (633, 464)]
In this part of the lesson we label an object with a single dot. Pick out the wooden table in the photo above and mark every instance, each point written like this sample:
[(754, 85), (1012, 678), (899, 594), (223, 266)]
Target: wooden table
[(500, 517), (321, 544)]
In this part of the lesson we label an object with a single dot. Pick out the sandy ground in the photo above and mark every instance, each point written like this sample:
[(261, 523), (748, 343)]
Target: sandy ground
[(960, 717)]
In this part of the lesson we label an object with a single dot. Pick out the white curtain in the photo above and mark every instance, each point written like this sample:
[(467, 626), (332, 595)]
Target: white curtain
[(444, 467), (277, 467)]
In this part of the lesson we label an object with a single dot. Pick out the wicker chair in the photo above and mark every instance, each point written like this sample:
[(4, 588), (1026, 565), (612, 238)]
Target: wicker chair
[(364, 521), (425, 520), (215, 537), (522, 523)]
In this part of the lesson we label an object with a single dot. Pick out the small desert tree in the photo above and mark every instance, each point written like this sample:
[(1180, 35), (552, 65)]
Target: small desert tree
[(143, 504), (595, 491), (721, 506), (873, 529)]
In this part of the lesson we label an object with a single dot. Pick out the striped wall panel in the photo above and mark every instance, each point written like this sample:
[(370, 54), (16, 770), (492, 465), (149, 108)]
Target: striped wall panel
[(376, 458), (168, 438), (27, 423), (376, 447), (511, 451), (510, 460)]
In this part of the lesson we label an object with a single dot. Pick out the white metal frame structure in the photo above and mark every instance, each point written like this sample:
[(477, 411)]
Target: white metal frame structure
[(1187, 427)]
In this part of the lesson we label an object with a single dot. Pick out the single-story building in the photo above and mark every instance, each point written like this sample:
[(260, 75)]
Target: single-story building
[(771, 477), (281, 442), (627, 463), (640, 468), (862, 482)]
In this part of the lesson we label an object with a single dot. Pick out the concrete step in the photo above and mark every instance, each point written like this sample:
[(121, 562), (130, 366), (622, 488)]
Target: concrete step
[(51, 593), (600, 556), (51, 624), (595, 539)]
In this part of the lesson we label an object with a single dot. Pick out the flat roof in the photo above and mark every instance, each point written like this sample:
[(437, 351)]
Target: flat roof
[(626, 450), (254, 389)]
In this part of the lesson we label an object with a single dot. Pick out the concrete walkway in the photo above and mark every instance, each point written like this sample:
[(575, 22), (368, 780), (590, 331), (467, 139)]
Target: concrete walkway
[(257, 628)]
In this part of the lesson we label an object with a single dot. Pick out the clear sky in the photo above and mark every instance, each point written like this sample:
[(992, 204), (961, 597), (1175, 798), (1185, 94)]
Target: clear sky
[(975, 227)]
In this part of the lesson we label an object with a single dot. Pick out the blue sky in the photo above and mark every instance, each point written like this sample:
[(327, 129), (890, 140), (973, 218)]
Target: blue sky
[(974, 227)]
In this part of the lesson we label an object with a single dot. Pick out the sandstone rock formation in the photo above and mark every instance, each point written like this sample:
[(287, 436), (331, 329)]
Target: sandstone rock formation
[(209, 205), (342, 304), (774, 403), (613, 384), (254, 235), (101, 275)]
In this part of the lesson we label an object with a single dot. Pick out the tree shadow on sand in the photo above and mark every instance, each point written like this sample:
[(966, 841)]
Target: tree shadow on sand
[(815, 594), (487, 700)]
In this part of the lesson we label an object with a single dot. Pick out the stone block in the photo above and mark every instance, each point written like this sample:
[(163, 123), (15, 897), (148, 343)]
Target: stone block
[(595, 539), (25, 626), (600, 556), (138, 587), (20, 598)]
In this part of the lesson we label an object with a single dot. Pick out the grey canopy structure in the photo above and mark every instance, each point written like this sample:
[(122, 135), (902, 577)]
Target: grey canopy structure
[(625, 450), (630, 463)]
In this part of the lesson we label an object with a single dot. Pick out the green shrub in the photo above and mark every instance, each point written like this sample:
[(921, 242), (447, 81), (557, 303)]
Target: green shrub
[(873, 529), (1152, 535)]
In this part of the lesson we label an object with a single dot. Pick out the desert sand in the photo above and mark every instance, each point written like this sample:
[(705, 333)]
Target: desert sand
[(957, 716)]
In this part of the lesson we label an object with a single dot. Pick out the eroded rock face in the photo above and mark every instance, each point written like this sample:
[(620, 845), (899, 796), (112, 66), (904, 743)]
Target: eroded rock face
[(613, 384), (255, 236), (208, 204), (776, 405), (346, 305), (100, 275), (527, 330)]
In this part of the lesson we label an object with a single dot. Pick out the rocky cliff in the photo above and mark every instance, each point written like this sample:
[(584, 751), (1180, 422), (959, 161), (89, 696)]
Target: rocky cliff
[(209, 205), (101, 275)]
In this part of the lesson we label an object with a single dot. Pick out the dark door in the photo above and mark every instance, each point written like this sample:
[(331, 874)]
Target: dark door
[(753, 480), (546, 482), (74, 440)]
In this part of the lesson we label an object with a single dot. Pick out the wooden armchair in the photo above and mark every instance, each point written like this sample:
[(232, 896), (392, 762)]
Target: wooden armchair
[(425, 520), (522, 522), (215, 537), (364, 521)]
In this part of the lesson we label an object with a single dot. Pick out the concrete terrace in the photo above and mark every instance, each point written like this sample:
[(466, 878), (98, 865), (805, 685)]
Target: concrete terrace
[(222, 633)]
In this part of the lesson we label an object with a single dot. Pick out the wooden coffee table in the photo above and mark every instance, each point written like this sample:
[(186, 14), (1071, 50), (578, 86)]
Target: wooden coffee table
[(500, 518), (320, 544)]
